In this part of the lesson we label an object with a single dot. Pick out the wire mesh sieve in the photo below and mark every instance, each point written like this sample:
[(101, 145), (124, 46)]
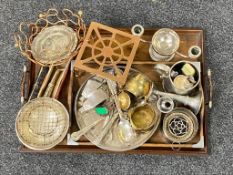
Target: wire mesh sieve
[(42, 123)]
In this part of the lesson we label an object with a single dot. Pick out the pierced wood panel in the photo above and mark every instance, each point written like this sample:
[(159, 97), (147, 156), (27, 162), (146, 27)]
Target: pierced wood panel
[(107, 52)]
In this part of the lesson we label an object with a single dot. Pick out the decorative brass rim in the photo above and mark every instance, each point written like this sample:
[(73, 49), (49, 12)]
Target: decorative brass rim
[(154, 122)]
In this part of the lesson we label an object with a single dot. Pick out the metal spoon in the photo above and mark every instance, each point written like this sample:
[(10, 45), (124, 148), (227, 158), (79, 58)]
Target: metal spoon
[(123, 125)]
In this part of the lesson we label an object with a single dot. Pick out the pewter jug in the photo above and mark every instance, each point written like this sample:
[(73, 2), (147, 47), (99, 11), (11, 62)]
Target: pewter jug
[(166, 73)]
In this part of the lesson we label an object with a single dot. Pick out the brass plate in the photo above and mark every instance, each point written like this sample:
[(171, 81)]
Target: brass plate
[(54, 44), (42, 123)]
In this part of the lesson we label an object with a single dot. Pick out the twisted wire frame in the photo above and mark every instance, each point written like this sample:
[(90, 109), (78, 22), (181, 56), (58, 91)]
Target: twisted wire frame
[(28, 31)]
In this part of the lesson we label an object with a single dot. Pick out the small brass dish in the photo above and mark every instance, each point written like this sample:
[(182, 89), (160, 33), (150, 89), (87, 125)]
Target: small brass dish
[(139, 85), (143, 117), (124, 100)]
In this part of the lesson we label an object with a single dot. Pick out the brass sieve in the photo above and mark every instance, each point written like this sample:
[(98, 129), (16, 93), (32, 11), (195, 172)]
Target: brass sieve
[(42, 123)]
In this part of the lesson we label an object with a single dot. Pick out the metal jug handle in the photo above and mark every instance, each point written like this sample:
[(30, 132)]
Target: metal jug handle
[(162, 69)]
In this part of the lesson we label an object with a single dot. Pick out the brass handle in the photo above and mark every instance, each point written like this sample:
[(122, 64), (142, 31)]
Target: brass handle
[(209, 73)]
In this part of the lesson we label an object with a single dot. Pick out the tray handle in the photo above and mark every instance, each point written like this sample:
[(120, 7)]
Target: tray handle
[(22, 85), (209, 74), (25, 82)]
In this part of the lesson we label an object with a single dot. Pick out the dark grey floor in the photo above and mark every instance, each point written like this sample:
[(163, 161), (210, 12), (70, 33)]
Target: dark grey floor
[(215, 17)]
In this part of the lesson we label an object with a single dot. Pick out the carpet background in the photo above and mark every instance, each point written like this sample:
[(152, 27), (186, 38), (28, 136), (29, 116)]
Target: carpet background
[(215, 17)]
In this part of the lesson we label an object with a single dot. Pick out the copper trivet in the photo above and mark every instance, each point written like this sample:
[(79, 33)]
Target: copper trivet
[(107, 52)]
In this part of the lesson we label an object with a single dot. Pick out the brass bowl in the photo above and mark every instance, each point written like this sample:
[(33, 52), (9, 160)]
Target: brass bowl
[(124, 100), (42, 123), (143, 117), (139, 85)]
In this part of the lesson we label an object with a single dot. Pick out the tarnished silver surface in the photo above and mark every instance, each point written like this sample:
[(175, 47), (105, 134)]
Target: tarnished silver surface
[(193, 102), (165, 42), (95, 98), (168, 83), (112, 140), (54, 44), (165, 104)]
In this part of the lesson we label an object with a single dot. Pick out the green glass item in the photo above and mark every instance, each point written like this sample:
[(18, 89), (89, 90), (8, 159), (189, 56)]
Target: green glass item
[(101, 110)]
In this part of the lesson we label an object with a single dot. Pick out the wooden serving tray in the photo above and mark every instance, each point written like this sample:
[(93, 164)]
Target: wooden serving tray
[(157, 144)]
